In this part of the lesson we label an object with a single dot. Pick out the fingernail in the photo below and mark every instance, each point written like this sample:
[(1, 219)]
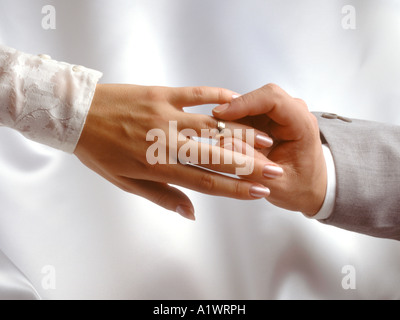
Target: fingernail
[(235, 96), (272, 172), (259, 192), (221, 108), (264, 141), (186, 212)]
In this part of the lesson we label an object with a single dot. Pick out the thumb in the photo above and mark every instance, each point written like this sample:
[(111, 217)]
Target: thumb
[(260, 101), (252, 103), (234, 110)]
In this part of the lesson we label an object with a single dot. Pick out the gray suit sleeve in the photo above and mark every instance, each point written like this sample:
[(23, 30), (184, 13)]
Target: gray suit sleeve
[(367, 161)]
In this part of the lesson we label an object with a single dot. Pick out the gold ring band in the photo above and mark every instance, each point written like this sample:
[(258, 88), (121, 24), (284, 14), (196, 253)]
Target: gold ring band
[(221, 126)]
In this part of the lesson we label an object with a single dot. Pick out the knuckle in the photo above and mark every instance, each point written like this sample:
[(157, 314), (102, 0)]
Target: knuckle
[(273, 88), (302, 104), (126, 188), (222, 95), (314, 122), (162, 199), (207, 182), (275, 93), (147, 165), (155, 94), (209, 123), (123, 188), (237, 188), (198, 92)]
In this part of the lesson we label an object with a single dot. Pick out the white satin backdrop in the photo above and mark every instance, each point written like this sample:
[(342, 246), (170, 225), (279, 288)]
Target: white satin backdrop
[(105, 244)]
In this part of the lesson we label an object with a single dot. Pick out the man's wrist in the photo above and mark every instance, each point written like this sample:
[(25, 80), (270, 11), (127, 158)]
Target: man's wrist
[(330, 196)]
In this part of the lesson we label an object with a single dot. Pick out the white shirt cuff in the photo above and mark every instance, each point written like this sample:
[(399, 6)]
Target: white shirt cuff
[(329, 202)]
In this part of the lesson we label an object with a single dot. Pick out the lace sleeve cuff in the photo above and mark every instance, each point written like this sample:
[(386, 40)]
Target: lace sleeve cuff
[(45, 100)]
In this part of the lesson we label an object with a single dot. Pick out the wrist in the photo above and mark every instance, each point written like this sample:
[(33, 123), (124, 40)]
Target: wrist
[(330, 195), (92, 117), (318, 191)]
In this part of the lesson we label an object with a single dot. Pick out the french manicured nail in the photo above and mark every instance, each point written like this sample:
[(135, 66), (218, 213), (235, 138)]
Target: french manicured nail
[(221, 108), (259, 192), (186, 212), (264, 141), (272, 172)]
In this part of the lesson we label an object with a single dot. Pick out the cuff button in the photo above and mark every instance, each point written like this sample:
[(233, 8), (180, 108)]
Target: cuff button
[(345, 119), (329, 116)]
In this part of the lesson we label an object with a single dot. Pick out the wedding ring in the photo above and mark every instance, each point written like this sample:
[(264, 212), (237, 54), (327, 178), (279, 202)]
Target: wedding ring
[(221, 126)]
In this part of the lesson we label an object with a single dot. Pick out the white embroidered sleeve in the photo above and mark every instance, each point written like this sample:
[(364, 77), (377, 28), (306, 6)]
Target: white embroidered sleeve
[(45, 100)]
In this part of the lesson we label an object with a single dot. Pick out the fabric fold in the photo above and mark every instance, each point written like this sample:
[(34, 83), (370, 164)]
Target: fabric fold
[(14, 285)]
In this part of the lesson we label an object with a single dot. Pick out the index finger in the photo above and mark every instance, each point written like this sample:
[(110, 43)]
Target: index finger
[(271, 100), (194, 96)]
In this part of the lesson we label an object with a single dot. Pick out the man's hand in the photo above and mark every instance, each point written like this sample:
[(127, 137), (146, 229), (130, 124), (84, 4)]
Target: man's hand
[(297, 146)]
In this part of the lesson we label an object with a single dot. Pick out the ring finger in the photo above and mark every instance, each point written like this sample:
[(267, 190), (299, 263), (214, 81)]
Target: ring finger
[(210, 128)]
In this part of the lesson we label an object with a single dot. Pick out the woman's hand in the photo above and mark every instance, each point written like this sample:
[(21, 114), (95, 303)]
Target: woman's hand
[(114, 143)]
